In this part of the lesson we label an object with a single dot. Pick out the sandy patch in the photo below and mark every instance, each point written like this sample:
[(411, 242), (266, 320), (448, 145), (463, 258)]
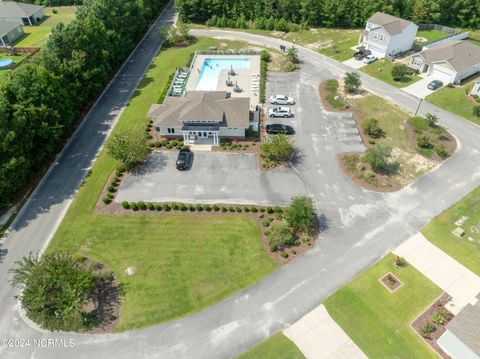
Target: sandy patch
[(421, 39)]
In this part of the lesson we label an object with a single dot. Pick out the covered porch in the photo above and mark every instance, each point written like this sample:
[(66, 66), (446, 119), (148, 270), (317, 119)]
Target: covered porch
[(205, 134)]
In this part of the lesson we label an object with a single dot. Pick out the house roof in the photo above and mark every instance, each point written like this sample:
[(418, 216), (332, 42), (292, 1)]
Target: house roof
[(466, 326), (7, 26), (202, 106), (17, 9), (460, 55), (393, 25)]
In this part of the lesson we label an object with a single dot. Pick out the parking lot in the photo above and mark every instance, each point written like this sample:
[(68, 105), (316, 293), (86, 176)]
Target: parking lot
[(217, 177)]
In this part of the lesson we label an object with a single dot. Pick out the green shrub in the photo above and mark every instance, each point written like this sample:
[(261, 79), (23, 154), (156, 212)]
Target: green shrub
[(441, 151), (399, 72), (239, 209), (118, 173), (423, 141), (182, 207), (107, 200), (265, 56), (284, 254), (207, 208), (418, 123), (151, 206), (125, 205), (300, 214), (224, 209), (168, 146), (281, 235), (165, 89), (265, 223), (372, 128), (262, 210), (110, 195), (158, 207), (441, 317), (199, 207), (378, 157), (175, 206), (277, 209), (134, 206), (428, 329), (261, 215), (141, 205), (158, 144), (270, 219), (369, 176), (216, 208), (166, 207), (246, 209), (270, 210), (253, 209), (111, 189), (191, 208), (231, 209)]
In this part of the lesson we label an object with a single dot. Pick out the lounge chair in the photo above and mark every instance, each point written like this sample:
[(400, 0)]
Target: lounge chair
[(182, 75)]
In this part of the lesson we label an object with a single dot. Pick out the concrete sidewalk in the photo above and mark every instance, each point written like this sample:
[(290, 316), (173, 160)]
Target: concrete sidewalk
[(318, 336), (458, 281)]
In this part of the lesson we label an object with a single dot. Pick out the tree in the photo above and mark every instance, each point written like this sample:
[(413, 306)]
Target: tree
[(378, 157), (280, 235), (432, 119), (399, 72), (476, 111), (55, 290), (301, 215), (278, 148), (292, 54), (128, 147), (372, 128), (352, 82)]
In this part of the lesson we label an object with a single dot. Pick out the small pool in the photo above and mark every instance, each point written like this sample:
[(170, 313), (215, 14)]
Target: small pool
[(211, 68), (5, 64)]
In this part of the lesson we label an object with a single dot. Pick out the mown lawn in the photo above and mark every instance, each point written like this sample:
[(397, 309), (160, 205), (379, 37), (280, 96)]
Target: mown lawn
[(382, 69), (37, 35), (439, 231), (456, 101), (183, 263), (430, 36), (379, 321), (391, 119), (17, 59), (276, 347)]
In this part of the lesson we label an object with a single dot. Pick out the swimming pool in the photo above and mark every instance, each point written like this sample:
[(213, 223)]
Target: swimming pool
[(211, 68), (5, 64)]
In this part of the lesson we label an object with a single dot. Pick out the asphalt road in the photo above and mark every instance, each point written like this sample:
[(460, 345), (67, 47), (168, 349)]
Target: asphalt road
[(359, 227)]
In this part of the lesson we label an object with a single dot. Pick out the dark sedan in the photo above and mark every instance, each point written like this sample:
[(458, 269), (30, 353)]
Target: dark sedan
[(360, 55), (435, 84), (184, 158), (276, 128)]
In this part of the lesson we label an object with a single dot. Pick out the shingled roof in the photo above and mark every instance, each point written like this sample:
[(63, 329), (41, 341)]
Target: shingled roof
[(393, 25), (6, 27), (461, 55), (466, 326), (17, 9), (202, 106)]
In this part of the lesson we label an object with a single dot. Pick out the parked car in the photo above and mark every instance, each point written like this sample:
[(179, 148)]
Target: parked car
[(275, 128), (183, 159), (369, 59), (360, 55), (435, 84), (280, 112), (282, 100)]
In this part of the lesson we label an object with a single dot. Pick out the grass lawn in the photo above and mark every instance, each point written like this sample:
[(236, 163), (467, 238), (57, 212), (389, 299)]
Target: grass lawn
[(18, 58), (438, 231), (456, 101), (183, 263), (391, 119), (37, 35), (379, 321), (276, 347), (430, 36), (382, 69)]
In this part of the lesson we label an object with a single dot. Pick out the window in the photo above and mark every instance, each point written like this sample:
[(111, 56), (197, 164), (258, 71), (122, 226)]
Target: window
[(157, 129), (375, 35), (170, 130), (381, 38)]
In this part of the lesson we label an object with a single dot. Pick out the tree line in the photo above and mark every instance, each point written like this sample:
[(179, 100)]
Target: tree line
[(41, 100), (54, 2), (326, 13)]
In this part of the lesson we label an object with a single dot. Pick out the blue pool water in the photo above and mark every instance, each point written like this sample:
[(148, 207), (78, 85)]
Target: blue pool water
[(211, 68), (5, 63)]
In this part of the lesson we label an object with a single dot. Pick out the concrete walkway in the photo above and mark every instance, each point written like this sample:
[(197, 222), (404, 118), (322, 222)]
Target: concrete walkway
[(317, 335), (459, 282)]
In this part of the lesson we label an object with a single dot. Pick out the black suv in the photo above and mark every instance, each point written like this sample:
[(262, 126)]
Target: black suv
[(279, 128), (435, 84), (360, 55), (183, 159)]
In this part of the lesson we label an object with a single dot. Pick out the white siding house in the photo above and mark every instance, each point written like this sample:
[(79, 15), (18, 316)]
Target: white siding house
[(21, 13), (450, 62), (387, 35), (9, 32)]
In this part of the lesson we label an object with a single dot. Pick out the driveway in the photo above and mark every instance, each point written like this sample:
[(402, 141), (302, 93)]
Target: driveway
[(454, 278), (419, 88), (318, 336), (354, 63)]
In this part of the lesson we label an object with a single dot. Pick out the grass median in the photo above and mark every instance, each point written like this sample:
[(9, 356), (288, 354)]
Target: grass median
[(182, 263)]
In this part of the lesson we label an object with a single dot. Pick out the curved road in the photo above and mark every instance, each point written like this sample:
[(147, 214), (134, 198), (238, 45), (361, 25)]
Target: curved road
[(360, 227)]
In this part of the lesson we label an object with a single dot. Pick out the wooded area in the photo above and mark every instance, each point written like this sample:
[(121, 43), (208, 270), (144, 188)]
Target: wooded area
[(264, 14), (42, 99)]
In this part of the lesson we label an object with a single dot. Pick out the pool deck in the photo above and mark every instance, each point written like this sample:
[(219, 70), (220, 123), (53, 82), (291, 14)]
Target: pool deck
[(243, 77)]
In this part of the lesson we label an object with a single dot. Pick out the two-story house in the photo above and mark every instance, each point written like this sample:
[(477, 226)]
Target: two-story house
[(387, 35)]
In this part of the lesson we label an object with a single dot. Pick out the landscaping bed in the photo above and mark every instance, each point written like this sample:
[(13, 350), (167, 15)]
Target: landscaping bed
[(432, 323), (328, 93), (390, 282), (379, 321), (399, 147)]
